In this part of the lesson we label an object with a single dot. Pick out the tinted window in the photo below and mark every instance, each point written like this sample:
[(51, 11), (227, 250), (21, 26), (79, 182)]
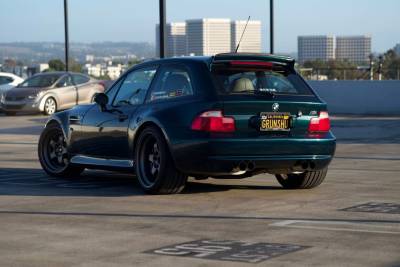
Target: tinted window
[(80, 79), (242, 80), (40, 81), (6, 79), (67, 80), (112, 91), (134, 88), (172, 82)]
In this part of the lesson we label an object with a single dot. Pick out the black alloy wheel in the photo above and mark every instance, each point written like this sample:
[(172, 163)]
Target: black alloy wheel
[(155, 169), (52, 153)]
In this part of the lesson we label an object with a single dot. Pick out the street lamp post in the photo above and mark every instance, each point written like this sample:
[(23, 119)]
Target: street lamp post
[(163, 36), (271, 17), (66, 36)]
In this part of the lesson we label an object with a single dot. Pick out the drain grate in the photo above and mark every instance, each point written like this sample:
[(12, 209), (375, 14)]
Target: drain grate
[(228, 250)]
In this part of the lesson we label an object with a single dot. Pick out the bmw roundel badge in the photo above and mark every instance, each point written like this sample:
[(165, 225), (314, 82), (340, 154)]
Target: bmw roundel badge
[(275, 107)]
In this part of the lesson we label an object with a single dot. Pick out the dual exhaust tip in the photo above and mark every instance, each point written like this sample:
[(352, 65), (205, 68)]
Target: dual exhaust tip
[(305, 165), (247, 166)]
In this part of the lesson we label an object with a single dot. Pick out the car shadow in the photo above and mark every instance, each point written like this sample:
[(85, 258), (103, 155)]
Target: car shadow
[(34, 182)]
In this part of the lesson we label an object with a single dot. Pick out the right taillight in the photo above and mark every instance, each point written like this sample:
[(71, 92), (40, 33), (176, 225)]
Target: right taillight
[(213, 121), (320, 124)]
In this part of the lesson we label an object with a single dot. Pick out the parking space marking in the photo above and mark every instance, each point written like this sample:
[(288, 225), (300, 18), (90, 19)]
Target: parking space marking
[(228, 250), (375, 207), (289, 223)]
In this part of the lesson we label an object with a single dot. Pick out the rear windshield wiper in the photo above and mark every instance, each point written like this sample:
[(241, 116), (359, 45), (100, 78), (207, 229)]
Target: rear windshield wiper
[(255, 92)]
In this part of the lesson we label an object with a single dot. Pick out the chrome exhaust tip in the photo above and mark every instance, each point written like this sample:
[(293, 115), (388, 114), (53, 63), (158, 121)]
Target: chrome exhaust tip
[(312, 165), (251, 166), (242, 166)]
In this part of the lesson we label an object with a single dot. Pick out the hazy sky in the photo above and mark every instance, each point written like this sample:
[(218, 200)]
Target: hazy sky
[(134, 20)]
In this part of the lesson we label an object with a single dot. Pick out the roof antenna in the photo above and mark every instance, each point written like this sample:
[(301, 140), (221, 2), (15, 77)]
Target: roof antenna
[(242, 35)]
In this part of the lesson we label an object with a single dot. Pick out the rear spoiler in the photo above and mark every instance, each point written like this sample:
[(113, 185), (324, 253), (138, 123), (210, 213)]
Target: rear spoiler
[(253, 56)]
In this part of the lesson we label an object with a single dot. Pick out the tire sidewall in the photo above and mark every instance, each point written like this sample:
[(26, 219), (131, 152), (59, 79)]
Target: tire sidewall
[(55, 106)]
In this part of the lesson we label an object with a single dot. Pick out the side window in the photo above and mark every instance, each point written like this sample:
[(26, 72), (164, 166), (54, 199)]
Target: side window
[(80, 79), (67, 80), (112, 91), (134, 88), (172, 82), (6, 79)]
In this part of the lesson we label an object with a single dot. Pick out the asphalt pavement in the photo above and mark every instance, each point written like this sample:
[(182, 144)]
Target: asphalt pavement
[(104, 219)]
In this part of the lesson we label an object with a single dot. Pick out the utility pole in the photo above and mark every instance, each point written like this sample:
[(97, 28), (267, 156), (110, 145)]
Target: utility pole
[(380, 67), (271, 24), (163, 26), (371, 68), (66, 36)]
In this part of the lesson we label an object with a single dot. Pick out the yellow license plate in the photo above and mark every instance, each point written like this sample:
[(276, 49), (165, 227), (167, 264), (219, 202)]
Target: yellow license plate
[(275, 121)]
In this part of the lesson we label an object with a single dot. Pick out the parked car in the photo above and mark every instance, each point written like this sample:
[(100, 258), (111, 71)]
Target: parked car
[(8, 81), (50, 92), (227, 116)]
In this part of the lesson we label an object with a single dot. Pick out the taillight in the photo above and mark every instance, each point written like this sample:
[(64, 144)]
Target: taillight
[(213, 121), (102, 84), (320, 124)]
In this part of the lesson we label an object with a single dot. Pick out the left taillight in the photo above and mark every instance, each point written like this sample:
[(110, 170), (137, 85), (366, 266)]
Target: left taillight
[(213, 121), (102, 84), (320, 124)]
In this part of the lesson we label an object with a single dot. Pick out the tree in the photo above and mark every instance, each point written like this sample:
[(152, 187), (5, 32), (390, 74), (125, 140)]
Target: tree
[(49, 70), (57, 65), (73, 66), (9, 63), (134, 62), (116, 62)]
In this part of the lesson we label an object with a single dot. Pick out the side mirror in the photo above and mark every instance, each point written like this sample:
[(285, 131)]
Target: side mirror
[(61, 84), (102, 100)]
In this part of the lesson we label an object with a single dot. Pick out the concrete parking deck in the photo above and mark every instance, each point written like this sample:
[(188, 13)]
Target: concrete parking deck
[(104, 219)]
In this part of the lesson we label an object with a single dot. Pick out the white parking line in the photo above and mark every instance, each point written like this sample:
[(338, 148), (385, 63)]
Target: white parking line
[(289, 223)]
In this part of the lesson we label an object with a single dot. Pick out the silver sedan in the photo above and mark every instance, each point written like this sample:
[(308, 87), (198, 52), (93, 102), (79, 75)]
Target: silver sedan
[(50, 92)]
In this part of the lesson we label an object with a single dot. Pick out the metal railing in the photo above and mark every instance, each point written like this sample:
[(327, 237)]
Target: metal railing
[(320, 74)]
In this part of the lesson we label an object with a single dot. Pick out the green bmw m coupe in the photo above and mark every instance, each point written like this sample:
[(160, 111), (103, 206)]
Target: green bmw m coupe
[(227, 116)]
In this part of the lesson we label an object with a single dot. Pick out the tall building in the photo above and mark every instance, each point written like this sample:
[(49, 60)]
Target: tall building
[(251, 41), (316, 47), (354, 48), (397, 49), (176, 39), (206, 37)]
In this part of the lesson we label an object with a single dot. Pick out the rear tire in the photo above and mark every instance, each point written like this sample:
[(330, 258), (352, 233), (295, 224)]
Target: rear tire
[(155, 168), (52, 153), (304, 180), (10, 113)]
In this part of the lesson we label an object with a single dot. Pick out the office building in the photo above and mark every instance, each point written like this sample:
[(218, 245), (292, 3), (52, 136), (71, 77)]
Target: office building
[(206, 37), (354, 48), (176, 39), (397, 49), (251, 41), (316, 47)]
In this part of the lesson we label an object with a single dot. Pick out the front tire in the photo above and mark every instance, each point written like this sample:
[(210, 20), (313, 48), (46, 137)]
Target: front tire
[(50, 106), (303, 180), (52, 153), (155, 168)]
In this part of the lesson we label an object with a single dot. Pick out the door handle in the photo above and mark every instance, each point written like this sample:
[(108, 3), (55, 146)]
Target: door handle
[(122, 117)]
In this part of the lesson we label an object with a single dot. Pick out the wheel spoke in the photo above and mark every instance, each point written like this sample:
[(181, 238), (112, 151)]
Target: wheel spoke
[(64, 151), (52, 143), (61, 139), (155, 147), (153, 170), (151, 157), (53, 155), (60, 160)]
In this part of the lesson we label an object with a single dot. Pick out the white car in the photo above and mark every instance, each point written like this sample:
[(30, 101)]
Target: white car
[(8, 81)]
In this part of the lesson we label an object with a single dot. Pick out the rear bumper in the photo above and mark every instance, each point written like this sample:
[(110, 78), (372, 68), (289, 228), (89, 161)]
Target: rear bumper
[(204, 153)]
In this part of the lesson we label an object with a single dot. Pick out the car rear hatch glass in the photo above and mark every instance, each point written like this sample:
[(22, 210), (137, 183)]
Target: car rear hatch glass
[(264, 97)]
